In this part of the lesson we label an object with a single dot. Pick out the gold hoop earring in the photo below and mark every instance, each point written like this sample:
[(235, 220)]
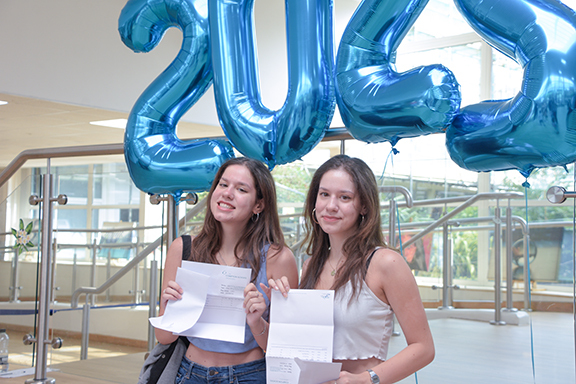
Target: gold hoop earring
[(314, 219)]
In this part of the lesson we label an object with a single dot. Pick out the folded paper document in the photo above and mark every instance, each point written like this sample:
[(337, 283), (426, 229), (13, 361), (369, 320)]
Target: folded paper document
[(301, 337)]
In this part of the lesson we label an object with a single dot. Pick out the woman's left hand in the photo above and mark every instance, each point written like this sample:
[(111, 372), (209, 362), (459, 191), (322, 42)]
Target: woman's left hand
[(282, 285)]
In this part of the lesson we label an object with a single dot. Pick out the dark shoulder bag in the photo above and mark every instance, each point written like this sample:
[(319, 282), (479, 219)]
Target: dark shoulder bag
[(166, 355)]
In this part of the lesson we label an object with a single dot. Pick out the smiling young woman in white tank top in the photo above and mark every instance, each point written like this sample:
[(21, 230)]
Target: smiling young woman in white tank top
[(372, 282)]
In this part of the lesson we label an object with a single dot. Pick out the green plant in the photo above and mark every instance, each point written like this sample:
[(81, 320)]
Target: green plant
[(465, 255), (23, 237)]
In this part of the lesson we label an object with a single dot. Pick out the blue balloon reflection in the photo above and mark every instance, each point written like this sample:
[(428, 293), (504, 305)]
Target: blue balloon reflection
[(157, 160), (285, 135), (377, 103), (536, 128)]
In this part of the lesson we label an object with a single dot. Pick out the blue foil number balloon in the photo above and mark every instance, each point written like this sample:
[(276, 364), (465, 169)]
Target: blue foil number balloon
[(536, 128), (285, 135), (377, 103), (157, 160)]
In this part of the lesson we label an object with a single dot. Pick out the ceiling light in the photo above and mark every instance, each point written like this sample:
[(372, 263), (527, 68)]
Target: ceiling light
[(3, 102), (114, 123)]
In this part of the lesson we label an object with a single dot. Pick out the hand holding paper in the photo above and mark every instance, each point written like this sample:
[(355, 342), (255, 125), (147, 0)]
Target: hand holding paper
[(180, 315), (223, 317), (301, 337), (317, 372), (211, 306)]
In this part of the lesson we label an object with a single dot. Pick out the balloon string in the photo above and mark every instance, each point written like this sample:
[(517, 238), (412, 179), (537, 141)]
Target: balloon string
[(574, 263), (162, 224), (393, 151), (399, 232), (527, 285), (402, 254)]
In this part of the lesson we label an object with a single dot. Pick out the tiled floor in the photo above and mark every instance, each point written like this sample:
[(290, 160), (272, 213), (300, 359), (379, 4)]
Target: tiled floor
[(21, 355), (474, 352), (470, 352)]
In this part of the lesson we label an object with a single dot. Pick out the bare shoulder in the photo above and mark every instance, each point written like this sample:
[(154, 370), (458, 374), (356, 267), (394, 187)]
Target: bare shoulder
[(388, 262), (390, 277), (173, 260), (174, 254), (176, 247), (281, 262), (276, 253), (280, 257)]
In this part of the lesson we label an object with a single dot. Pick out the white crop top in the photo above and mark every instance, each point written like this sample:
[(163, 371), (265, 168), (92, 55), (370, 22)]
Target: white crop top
[(362, 328)]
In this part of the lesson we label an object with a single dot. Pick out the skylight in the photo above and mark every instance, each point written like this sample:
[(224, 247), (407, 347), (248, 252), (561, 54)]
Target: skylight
[(114, 123)]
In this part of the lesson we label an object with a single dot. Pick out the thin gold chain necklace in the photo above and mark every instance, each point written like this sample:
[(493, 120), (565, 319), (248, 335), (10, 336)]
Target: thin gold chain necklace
[(333, 273), (224, 261)]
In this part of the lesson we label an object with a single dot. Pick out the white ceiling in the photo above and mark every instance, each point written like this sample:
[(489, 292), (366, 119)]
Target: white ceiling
[(28, 123), (63, 65)]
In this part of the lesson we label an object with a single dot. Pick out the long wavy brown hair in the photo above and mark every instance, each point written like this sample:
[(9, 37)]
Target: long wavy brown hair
[(358, 247), (261, 230)]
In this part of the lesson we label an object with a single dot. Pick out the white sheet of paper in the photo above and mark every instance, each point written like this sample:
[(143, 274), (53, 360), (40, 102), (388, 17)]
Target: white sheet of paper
[(301, 326), (317, 372), (182, 314), (223, 317)]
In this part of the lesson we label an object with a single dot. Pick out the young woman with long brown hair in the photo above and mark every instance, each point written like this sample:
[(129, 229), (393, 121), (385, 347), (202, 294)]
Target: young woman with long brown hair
[(372, 281), (241, 229)]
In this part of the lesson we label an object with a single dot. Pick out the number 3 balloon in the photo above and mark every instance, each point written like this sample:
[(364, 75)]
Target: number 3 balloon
[(157, 160), (537, 128)]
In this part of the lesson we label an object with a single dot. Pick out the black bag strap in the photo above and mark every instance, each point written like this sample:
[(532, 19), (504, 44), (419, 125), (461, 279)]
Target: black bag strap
[(160, 364), (186, 251), (186, 246)]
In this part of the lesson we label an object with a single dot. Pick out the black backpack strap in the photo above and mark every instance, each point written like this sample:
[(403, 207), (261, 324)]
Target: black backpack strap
[(186, 251), (186, 246), (160, 364)]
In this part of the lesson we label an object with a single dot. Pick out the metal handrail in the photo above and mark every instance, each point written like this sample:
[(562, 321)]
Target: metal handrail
[(100, 230), (135, 261), (514, 220), (116, 149), (401, 190), (49, 153), (332, 134), (467, 201)]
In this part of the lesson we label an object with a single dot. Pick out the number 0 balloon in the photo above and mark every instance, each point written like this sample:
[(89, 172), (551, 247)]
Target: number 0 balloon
[(275, 137)]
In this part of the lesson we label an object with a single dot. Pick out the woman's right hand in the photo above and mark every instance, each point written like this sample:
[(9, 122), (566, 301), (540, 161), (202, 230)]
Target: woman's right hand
[(173, 291), (282, 285), (350, 378)]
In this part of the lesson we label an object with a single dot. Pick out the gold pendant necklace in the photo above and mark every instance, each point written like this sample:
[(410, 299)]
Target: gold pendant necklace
[(333, 273)]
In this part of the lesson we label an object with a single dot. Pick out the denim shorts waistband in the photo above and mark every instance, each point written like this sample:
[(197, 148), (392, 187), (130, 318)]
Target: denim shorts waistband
[(223, 371)]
